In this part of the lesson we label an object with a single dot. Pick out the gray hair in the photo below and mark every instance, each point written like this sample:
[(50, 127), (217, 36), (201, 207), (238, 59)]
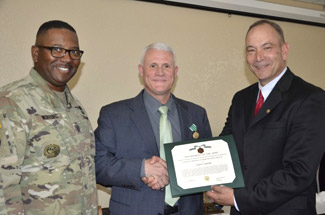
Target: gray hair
[(157, 46), (274, 25)]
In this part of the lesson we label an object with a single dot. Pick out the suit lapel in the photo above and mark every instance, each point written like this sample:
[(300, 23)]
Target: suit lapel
[(271, 102), (142, 123), (185, 119), (275, 96), (249, 104)]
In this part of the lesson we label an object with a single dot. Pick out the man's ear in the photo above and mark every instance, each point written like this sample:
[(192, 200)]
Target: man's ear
[(140, 68), (176, 71), (34, 51), (285, 51)]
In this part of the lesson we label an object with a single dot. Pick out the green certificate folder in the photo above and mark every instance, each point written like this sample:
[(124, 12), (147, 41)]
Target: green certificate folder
[(202, 163)]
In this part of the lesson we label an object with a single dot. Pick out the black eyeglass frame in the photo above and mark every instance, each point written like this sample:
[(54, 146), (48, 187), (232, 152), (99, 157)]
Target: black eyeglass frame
[(64, 53)]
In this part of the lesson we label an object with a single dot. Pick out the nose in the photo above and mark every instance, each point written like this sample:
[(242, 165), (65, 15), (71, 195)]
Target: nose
[(66, 57), (259, 55), (160, 71)]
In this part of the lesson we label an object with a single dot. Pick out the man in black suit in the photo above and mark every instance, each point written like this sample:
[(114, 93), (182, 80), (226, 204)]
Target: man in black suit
[(281, 144)]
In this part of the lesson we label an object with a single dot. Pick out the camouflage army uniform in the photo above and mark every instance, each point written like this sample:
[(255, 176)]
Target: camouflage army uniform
[(46, 151)]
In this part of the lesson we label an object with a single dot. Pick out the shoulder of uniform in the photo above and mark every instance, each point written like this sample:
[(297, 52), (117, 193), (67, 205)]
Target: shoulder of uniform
[(17, 87), (14, 92)]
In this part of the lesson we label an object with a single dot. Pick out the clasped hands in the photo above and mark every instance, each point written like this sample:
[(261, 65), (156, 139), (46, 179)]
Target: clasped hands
[(156, 173), (157, 178)]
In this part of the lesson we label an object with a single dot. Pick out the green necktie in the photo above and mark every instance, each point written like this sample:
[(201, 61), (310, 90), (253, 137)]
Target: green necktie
[(166, 136)]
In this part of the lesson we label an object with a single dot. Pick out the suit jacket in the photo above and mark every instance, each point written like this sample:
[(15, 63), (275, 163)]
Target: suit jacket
[(124, 138), (280, 149)]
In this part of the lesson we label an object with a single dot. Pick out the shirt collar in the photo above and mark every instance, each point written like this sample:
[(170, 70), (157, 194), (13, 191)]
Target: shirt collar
[(37, 78), (153, 104), (267, 89)]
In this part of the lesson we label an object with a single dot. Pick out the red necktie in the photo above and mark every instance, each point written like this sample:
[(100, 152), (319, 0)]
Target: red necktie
[(259, 103)]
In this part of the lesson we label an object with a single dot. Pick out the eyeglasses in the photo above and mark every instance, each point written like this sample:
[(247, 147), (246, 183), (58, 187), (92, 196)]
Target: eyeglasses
[(59, 52)]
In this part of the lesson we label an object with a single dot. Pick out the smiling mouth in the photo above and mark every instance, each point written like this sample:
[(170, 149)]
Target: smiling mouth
[(64, 69), (261, 66), (160, 80)]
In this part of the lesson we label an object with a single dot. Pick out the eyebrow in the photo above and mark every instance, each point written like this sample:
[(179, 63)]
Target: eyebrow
[(61, 46), (268, 43), (264, 44)]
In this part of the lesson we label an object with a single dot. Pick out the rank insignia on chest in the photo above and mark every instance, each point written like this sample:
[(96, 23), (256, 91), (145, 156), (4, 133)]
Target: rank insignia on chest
[(47, 117), (51, 151)]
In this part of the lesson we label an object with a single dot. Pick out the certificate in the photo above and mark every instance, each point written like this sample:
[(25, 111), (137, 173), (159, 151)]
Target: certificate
[(193, 166)]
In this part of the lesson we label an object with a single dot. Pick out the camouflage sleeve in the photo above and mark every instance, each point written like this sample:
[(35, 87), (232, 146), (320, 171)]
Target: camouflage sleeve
[(12, 148)]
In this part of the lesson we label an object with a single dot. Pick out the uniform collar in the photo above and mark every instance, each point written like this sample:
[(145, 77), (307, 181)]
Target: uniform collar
[(40, 81)]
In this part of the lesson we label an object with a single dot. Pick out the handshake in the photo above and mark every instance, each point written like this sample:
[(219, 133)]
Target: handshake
[(156, 173)]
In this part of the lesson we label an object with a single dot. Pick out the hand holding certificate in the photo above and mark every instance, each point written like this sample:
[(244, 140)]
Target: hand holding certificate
[(194, 166)]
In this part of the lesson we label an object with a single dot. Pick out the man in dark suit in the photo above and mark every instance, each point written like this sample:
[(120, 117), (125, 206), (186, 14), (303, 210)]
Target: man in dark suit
[(128, 140), (281, 146)]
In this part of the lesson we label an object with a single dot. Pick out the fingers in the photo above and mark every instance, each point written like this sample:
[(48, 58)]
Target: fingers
[(156, 173), (151, 182), (222, 195), (164, 181), (213, 194), (156, 159), (156, 167), (163, 163), (154, 183), (216, 189)]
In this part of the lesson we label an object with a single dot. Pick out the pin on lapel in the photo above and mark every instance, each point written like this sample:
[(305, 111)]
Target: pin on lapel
[(268, 111), (193, 128)]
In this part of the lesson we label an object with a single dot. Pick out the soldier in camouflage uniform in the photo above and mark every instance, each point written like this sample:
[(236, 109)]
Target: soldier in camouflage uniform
[(47, 143)]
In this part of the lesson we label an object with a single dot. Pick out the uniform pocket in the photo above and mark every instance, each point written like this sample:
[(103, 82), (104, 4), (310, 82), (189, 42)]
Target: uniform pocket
[(46, 143)]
